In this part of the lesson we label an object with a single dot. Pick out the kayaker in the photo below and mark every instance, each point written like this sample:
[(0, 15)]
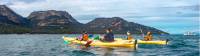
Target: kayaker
[(85, 36), (129, 37), (109, 37), (148, 37)]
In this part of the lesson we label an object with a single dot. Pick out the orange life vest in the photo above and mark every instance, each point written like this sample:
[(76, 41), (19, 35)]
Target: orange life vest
[(129, 37), (148, 38), (85, 37)]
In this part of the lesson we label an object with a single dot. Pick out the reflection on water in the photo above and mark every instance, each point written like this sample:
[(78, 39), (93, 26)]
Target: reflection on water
[(115, 52), (102, 51), (110, 51)]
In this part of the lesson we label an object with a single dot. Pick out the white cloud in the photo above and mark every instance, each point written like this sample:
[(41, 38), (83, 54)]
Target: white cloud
[(100, 7)]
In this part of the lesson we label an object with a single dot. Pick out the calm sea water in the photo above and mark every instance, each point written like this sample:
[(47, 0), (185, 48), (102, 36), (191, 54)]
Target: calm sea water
[(53, 45)]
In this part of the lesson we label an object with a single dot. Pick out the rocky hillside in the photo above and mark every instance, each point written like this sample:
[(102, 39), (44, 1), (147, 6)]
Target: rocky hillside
[(51, 18), (48, 21), (119, 25), (56, 22), (10, 17), (11, 22)]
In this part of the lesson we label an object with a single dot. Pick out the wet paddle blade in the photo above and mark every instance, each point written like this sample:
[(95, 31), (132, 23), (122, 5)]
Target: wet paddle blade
[(66, 42), (96, 38), (90, 35)]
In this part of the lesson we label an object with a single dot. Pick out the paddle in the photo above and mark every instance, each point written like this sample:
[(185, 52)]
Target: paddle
[(96, 38), (167, 40), (90, 35), (135, 44), (88, 44), (67, 42), (142, 32)]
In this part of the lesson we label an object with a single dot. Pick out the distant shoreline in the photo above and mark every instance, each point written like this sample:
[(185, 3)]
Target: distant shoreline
[(80, 33)]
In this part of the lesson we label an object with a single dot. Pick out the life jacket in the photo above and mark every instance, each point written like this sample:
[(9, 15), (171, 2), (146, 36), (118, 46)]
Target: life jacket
[(109, 37), (85, 37), (129, 37), (148, 38), (145, 38)]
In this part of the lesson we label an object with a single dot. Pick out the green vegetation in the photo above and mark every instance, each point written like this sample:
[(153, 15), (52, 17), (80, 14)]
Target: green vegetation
[(53, 30), (14, 29), (6, 29)]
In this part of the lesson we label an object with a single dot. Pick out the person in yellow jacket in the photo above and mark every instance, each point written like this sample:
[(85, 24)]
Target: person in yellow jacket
[(148, 37), (129, 36)]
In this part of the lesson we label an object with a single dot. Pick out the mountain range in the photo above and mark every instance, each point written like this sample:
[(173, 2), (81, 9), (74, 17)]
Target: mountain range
[(56, 22)]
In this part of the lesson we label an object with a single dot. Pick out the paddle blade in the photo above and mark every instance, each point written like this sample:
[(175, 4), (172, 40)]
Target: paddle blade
[(90, 35), (96, 38), (66, 42)]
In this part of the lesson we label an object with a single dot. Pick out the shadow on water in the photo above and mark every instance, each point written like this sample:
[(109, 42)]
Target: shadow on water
[(114, 51), (102, 51), (151, 46), (53, 49), (109, 52), (82, 53)]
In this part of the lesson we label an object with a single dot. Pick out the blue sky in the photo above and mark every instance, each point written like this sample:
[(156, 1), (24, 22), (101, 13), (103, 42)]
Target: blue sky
[(173, 16)]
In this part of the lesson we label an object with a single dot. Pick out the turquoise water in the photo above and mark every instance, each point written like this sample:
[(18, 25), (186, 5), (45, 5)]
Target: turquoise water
[(53, 45)]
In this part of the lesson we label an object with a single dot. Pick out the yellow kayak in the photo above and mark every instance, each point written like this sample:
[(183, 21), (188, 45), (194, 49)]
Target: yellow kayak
[(158, 42), (98, 43)]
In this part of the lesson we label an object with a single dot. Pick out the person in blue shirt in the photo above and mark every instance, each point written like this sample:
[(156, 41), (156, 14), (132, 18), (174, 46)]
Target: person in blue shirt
[(109, 36)]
